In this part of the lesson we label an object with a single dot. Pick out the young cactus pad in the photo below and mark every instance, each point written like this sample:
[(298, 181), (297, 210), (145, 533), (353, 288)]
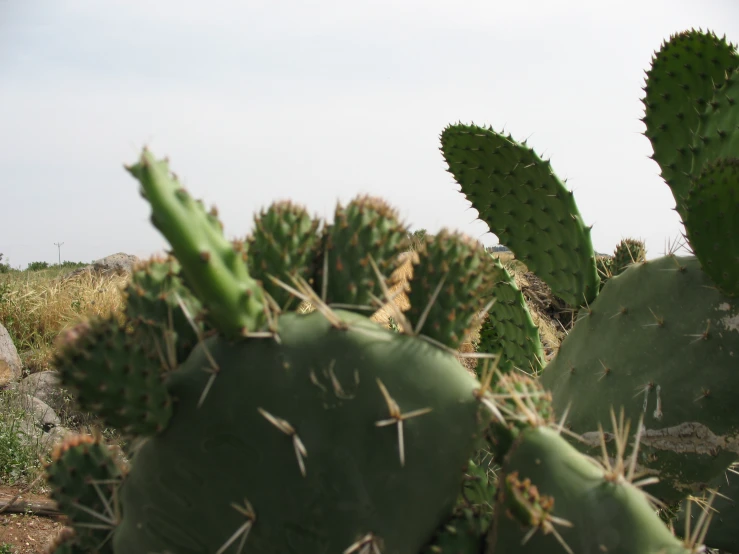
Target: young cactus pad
[(509, 328), (285, 432), (524, 203)]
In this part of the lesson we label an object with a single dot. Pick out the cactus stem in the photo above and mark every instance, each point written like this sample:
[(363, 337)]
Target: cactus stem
[(244, 529), (397, 418), (289, 430)]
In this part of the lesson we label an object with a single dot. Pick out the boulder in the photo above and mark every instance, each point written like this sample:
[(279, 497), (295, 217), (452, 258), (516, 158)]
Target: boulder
[(115, 264), (44, 386), (39, 427), (10, 362)]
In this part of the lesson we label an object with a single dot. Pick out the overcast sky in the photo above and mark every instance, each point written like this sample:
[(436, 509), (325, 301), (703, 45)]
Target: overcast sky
[(260, 100)]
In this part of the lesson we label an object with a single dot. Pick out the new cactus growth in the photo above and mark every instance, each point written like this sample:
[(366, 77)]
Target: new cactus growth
[(284, 244), (628, 252), (285, 432)]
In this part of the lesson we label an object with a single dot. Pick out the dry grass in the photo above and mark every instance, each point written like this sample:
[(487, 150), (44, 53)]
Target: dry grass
[(36, 305)]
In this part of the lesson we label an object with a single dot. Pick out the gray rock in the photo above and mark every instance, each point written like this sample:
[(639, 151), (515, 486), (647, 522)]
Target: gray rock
[(44, 386), (10, 362), (115, 264), (40, 427)]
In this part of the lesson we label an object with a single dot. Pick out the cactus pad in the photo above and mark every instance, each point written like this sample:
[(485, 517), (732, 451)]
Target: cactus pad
[(661, 342), (309, 441), (284, 244), (117, 371), (157, 297), (527, 207), (556, 500), (454, 272), (628, 252), (509, 328), (680, 86), (367, 229), (83, 476), (712, 223)]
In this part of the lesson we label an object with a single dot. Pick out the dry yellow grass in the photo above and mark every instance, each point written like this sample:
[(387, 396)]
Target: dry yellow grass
[(35, 306)]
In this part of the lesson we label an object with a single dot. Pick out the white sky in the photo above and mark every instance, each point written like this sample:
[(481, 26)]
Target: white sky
[(268, 99)]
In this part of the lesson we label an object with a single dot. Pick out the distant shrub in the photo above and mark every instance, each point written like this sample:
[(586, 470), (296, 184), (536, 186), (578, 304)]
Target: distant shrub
[(70, 265), (38, 266), (4, 268)]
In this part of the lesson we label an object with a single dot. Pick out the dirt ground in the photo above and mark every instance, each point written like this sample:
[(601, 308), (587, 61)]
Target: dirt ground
[(26, 533)]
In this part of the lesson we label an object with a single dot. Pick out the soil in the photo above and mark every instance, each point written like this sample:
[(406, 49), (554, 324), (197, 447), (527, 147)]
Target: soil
[(27, 533)]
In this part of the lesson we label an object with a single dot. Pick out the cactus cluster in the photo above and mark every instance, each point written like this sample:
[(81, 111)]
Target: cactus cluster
[(657, 338), (255, 427)]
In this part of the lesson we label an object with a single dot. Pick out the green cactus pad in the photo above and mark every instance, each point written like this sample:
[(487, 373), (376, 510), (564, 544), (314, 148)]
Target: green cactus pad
[(368, 228), (299, 431), (712, 223), (527, 207), (661, 342), (716, 137), (467, 274), (117, 372), (509, 328), (153, 297), (551, 489), (83, 476), (284, 244), (680, 85), (628, 252), (213, 266)]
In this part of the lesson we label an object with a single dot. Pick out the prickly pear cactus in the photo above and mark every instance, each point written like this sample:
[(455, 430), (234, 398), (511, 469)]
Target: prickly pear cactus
[(282, 432), (550, 498), (661, 342), (662, 337)]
